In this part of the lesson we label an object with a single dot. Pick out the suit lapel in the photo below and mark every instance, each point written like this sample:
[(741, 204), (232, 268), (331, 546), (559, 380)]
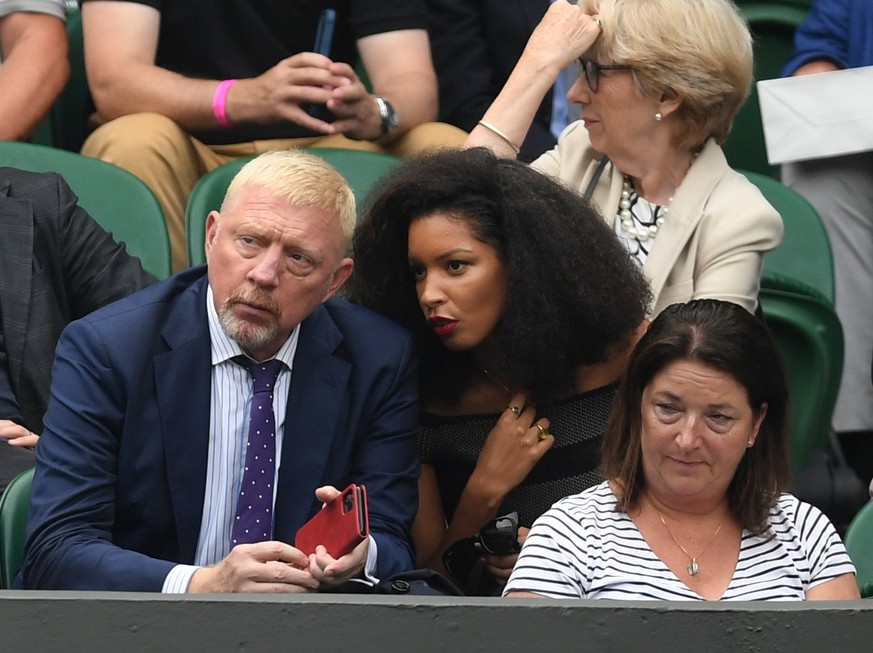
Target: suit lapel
[(315, 399), (686, 211), (16, 276), (183, 379)]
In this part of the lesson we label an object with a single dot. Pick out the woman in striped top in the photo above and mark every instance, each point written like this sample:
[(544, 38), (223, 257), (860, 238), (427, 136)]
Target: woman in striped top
[(694, 508)]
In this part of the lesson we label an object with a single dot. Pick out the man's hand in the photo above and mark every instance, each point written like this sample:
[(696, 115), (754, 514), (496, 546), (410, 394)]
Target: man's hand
[(356, 110), (307, 78), (330, 571), (277, 94), (262, 567), (17, 435)]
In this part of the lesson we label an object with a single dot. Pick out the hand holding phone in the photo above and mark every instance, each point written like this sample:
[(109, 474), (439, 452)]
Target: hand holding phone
[(339, 526)]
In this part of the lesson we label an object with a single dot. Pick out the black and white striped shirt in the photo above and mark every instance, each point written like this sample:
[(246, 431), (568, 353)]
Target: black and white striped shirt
[(583, 547)]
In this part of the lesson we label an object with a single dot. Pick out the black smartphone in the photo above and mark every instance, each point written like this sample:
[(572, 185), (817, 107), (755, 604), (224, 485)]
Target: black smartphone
[(324, 32), (323, 44)]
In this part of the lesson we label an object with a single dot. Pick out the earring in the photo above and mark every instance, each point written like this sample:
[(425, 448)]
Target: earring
[(659, 116), (751, 442)]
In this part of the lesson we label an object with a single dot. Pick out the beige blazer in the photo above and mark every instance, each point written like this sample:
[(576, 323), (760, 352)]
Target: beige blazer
[(712, 243)]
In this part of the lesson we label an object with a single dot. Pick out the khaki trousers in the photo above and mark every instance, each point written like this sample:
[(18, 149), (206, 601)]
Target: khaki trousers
[(170, 161)]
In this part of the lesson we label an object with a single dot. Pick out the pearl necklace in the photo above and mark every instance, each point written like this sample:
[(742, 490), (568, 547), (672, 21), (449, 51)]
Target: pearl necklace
[(643, 233)]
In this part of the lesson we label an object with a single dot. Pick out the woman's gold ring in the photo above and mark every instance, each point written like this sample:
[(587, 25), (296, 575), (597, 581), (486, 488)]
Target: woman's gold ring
[(544, 432), (515, 410)]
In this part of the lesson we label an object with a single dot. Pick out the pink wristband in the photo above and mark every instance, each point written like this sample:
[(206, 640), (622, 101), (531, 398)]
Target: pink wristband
[(219, 102)]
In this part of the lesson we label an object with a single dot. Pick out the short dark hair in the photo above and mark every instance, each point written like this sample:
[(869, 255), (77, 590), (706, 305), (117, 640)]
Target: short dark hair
[(574, 295), (726, 337)]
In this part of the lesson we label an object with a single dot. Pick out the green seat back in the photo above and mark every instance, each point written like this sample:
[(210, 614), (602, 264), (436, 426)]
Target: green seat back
[(805, 252), (119, 201), (14, 506), (810, 338), (360, 168), (859, 544), (797, 300), (773, 25)]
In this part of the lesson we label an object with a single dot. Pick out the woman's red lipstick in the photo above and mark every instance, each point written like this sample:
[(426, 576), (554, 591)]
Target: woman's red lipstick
[(442, 326)]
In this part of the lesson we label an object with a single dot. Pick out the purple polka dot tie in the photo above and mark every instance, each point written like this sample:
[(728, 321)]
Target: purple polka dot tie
[(253, 521)]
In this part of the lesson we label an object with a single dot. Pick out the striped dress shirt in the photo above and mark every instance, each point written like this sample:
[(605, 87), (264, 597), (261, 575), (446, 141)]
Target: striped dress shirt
[(228, 422)]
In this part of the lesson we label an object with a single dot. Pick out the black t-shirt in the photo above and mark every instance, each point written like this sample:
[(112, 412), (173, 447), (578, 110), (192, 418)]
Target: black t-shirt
[(206, 39)]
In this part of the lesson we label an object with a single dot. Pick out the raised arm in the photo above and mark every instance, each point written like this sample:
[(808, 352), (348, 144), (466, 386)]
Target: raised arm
[(34, 71), (564, 33)]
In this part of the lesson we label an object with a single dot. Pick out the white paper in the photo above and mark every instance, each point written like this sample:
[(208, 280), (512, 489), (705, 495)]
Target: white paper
[(817, 116)]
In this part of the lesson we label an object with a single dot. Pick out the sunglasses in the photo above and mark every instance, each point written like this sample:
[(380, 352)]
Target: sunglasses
[(499, 537), (592, 71)]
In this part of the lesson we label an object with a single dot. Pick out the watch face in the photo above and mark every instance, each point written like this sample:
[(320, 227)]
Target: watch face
[(388, 115)]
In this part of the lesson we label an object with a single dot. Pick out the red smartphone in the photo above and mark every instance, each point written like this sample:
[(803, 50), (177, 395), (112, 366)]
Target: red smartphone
[(340, 525)]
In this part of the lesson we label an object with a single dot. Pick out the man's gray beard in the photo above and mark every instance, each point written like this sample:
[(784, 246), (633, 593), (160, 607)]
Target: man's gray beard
[(248, 336)]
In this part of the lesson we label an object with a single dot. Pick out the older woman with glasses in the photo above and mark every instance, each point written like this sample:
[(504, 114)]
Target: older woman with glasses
[(660, 82)]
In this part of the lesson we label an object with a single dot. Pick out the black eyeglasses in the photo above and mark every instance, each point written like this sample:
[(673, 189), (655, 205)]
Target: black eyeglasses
[(499, 537), (592, 71)]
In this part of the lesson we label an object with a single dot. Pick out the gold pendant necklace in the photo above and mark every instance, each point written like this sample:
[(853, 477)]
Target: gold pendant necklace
[(693, 567)]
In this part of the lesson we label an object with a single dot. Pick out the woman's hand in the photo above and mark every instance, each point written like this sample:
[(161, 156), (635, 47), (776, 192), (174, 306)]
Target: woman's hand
[(562, 36), (514, 446), (17, 435), (501, 566)]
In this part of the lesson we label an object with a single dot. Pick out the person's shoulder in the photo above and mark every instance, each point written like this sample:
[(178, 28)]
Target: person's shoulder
[(589, 513), (598, 499), (729, 184), (794, 509), (729, 191), (151, 302), (792, 519), (16, 183)]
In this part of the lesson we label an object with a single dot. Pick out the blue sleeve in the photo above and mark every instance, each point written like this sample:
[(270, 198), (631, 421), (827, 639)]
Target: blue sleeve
[(824, 34), (72, 509), (388, 464)]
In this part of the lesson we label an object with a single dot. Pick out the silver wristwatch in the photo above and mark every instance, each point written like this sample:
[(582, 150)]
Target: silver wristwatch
[(390, 121)]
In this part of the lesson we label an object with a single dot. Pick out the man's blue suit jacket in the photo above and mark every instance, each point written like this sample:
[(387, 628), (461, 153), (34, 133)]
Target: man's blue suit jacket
[(121, 467)]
